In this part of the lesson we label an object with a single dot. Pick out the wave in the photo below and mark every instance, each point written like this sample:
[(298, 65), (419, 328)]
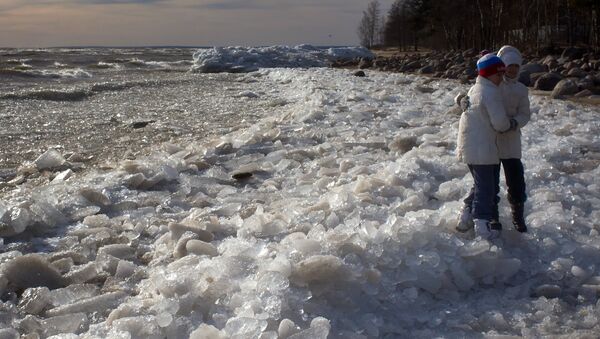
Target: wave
[(79, 94), (158, 64), (50, 95), (25, 71)]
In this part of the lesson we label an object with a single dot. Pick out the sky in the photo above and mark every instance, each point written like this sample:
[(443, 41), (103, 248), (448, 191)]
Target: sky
[(51, 23)]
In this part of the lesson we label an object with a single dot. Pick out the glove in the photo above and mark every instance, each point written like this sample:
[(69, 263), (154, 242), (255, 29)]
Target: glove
[(514, 124)]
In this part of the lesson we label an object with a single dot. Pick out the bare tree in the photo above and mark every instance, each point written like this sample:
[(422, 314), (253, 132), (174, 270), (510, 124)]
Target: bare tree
[(369, 28)]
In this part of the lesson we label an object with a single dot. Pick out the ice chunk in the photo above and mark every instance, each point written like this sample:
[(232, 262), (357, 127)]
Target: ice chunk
[(62, 176), (138, 327), (121, 251), (200, 247), (95, 196), (125, 269), (50, 159), (98, 220), (206, 331), (243, 327), (319, 329), (178, 229), (319, 268), (99, 303), (83, 273), (181, 246), (70, 323), (72, 293), (9, 333), (287, 328), (19, 219), (63, 265), (34, 300)]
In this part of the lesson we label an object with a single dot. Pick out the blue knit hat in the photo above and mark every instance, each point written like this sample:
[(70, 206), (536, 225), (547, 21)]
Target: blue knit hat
[(489, 65)]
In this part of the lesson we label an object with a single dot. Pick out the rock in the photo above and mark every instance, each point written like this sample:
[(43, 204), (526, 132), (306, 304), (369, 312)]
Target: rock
[(426, 70), (365, 63), (547, 82), (32, 270), (359, 74), (470, 53), (424, 89), (584, 93), (141, 124), (571, 53), (576, 72), (548, 291), (533, 68), (403, 144), (525, 78), (586, 83), (564, 87), (49, 160)]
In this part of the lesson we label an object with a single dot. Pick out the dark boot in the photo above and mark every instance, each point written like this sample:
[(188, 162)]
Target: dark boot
[(518, 217)]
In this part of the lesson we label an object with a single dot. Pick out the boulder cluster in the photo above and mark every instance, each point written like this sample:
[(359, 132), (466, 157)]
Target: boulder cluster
[(571, 72)]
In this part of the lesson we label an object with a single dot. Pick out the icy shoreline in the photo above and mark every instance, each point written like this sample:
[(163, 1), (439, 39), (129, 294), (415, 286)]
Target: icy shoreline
[(340, 221)]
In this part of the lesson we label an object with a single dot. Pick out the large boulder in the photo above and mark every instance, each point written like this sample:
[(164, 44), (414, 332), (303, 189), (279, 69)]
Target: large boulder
[(565, 87), (576, 72), (571, 53), (533, 68), (586, 83), (427, 70), (525, 78), (547, 81)]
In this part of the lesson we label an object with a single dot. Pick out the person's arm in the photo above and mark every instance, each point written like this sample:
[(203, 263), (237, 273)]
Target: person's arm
[(495, 108), (523, 110)]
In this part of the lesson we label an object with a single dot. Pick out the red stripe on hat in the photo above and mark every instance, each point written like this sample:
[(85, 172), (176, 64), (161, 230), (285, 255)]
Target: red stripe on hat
[(491, 70)]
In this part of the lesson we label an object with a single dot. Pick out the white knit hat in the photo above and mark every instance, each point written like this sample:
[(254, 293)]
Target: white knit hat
[(510, 55)]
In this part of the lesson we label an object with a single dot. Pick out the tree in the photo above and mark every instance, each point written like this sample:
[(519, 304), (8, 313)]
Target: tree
[(369, 28)]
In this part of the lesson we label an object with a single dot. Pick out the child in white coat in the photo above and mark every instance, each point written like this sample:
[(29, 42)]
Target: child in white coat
[(516, 103), (477, 142)]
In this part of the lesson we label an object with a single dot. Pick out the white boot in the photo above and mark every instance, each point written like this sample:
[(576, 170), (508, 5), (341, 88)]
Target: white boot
[(465, 222), (482, 228)]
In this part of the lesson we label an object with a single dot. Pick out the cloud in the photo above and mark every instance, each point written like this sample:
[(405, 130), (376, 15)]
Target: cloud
[(108, 2)]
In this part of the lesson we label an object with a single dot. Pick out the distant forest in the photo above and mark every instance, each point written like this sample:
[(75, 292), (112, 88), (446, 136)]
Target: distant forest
[(532, 25)]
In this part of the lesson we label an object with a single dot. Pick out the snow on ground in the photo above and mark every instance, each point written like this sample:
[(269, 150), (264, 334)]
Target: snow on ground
[(247, 59), (339, 225)]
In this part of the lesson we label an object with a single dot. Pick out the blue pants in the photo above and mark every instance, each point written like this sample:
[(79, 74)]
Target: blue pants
[(484, 194), (515, 182)]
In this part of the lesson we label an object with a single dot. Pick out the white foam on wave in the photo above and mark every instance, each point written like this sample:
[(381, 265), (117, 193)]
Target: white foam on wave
[(246, 59), (345, 227)]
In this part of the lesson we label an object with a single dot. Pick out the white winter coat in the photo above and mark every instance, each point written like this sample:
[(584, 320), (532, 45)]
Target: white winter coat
[(480, 123), (516, 103)]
